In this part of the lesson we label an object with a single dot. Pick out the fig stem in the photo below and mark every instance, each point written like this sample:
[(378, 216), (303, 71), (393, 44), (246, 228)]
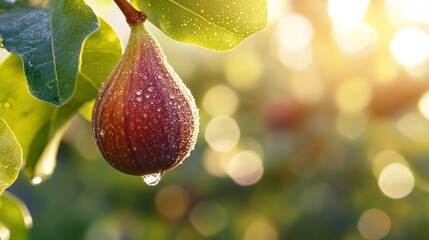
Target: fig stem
[(132, 15)]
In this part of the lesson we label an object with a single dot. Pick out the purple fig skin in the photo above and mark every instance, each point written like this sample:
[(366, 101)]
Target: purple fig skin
[(145, 119)]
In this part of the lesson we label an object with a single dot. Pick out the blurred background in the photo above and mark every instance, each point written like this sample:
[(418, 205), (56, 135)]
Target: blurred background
[(315, 128)]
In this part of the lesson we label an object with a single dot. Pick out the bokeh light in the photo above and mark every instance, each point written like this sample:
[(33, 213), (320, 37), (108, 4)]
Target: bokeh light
[(410, 46), (414, 126), (353, 96), (172, 201), (296, 60), (4, 233), (216, 163), (246, 168), (276, 9), (220, 100), (358, 39), (384, 158), (424, 105), (243, 69), (415, 10), (374, 224), (294, 32), (208, 218), (347, 12), (260, 230), (396, 181), (222, 133), (408, 11)]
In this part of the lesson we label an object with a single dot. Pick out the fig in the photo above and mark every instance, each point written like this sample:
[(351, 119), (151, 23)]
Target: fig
[(145, 120)]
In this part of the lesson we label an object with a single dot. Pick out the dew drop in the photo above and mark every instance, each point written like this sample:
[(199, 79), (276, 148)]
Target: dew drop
[(139, 92), (147, 96), (102, 132), (150, 89), (139, 99), (158, 109), (172, 96), (152, 179)]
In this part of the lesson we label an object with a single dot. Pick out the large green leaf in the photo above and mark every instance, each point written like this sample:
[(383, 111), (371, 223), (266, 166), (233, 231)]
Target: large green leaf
[(49, 41), (216, 24), (38, 126), (15, 219), (10, 156)]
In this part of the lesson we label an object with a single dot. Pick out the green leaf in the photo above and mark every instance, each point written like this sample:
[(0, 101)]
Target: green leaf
[(218, 25), (10, 156), (38, 126), (15, 219), (86, 110), (49, 41)]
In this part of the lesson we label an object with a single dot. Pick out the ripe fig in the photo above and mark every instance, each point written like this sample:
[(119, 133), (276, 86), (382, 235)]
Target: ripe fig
[(145, 120)]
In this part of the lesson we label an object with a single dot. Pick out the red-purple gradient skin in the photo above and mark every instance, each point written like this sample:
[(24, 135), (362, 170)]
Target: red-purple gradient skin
[(144, 120)]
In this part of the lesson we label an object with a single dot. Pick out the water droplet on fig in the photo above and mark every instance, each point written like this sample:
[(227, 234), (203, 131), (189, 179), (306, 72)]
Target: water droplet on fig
[(152, 179), (150, 89), (102, 132), (139, 92), (139, 99)]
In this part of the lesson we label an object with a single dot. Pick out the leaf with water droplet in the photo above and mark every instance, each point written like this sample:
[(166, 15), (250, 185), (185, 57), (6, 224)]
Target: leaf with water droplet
[(49, 41), (10, 156), (218, 25), (39, 140)]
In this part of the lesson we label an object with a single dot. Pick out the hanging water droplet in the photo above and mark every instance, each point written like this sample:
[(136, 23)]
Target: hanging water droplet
[(139, 92), (152, 179)]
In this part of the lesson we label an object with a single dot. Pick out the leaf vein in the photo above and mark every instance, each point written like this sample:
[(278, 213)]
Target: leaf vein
[(205, 19), (53, 58)]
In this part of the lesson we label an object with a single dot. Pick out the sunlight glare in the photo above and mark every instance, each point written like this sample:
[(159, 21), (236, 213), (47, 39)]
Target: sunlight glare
[(410, 46), (347, 12)]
